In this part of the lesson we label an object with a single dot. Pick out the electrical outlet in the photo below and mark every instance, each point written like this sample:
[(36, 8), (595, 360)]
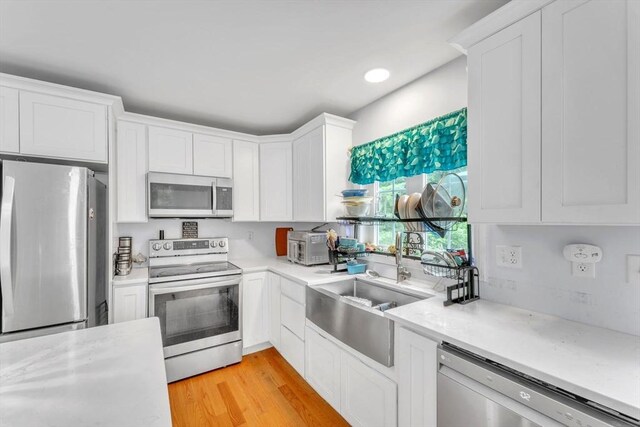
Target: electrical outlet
[(633, 269), (509, 256), (584, 269), (250, 235)]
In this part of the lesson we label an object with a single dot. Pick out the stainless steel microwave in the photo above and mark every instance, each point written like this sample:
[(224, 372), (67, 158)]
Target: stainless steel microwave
[(188, 196)]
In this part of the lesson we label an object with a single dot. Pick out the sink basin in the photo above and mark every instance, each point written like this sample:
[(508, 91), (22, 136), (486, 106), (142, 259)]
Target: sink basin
[(352, 311)]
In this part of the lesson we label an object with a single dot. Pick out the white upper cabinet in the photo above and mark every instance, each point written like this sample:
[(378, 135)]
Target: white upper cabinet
[(321, 168), (131, 172), (212, 156), (591, 112), (309, 176), (504, 125), (276, 188), (170, 150), (246, 181), (9, 120), (52, 126), (554, 113)]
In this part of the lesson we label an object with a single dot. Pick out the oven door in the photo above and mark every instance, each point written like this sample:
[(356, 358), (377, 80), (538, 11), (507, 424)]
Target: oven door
[(179, 196), (197, 314)]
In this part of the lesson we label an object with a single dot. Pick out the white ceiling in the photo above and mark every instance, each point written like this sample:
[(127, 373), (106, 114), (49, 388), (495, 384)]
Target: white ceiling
[(255, 66)]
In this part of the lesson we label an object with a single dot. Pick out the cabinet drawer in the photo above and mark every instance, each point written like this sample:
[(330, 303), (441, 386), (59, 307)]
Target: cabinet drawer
[(292, 349), (292, 315), (293, 290)]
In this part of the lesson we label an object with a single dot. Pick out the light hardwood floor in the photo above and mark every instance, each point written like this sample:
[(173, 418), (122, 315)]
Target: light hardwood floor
[(262, 390)]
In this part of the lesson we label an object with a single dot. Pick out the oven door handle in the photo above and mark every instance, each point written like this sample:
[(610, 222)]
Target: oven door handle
[(205, 284)]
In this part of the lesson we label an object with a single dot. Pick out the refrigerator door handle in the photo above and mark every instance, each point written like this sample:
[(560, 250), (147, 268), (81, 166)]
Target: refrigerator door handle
[(6, 216)]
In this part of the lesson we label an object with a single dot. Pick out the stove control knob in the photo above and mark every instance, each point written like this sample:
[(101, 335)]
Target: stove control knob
[(157, 246), (222, 244), (214, 243), (167, 246)]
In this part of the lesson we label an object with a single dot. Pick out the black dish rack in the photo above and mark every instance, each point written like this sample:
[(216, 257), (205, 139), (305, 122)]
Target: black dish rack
[(467, 288)]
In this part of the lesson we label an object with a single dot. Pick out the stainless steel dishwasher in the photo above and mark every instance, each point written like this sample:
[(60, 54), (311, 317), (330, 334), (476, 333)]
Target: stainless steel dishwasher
[(473, 391)]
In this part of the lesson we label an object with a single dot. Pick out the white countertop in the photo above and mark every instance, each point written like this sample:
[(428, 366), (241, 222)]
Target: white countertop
[(598, 364), (105, 376), (137, 275), (312, 275)]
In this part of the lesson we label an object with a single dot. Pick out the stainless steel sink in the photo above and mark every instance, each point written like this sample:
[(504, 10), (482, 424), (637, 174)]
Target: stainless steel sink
[(333, 308)]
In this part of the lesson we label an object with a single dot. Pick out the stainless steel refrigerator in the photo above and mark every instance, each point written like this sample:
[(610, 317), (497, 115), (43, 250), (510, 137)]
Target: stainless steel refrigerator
[(52, 249)]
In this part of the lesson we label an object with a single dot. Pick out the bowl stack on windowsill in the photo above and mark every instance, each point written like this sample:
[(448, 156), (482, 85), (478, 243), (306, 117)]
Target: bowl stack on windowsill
[(356, 202)]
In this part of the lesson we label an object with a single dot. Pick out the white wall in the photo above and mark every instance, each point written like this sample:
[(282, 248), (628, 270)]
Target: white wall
[(261, 244), (440, 92), (544, 283)]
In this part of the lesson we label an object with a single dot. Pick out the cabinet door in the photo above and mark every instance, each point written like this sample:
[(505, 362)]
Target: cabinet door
[(309, 179), (504, 125), (246, 181), (131, 172), (276, 190), (292, 349), (9, 122), (417, 367), (274, 309), (63, 128), (212, 156), (170, 151), (367, 398), (129, 302), (322, 367), (591, 112), (255, 310)]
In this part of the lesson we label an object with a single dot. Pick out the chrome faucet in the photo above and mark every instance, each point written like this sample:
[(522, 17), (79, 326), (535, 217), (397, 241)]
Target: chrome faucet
[(402, 273)]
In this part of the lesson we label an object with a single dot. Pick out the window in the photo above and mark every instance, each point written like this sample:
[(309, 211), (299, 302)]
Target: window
[(385, 196), (384, 200)]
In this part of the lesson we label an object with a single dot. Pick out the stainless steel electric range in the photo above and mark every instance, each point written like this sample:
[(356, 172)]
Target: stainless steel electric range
[(196, 294)]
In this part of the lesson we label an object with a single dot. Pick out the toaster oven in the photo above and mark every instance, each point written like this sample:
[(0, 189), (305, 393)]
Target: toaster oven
[(307, 247)]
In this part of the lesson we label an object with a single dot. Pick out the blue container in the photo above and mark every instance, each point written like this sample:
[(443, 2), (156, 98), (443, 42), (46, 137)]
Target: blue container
[(356, 268), (355, 192)]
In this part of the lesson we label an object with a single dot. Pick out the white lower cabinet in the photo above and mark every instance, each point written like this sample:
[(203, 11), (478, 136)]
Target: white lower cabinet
[(129, 302), (255, 310), (273, 284), (417, 367), (322, 367), (361, 394), (292, 349), (367, 398)]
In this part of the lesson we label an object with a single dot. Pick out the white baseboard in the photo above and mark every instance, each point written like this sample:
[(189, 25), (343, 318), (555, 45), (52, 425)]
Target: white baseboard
[(256, 348)]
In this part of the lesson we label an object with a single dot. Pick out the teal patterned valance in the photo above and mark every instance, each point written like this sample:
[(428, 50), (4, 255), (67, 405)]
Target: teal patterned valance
[(437, 145)]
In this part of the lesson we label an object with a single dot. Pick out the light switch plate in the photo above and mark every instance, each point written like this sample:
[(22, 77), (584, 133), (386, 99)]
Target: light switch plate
[(633, 269)]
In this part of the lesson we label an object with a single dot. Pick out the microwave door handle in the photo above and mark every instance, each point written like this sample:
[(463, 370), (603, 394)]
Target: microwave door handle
[(214, 208), (6, 218)]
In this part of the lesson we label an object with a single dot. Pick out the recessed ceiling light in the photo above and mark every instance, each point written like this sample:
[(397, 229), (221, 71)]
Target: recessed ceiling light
[(376, 75)]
